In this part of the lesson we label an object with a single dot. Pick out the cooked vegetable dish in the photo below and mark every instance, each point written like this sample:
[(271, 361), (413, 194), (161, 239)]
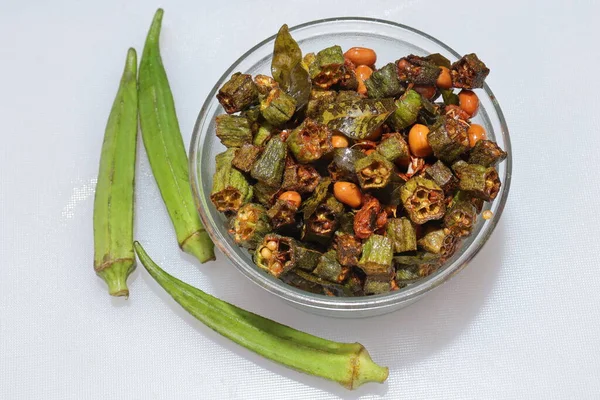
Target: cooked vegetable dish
[(345, 179)]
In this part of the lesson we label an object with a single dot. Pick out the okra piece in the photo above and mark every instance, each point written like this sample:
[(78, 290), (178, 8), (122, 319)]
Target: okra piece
[(439, 242), (345, 363), (233, 130), (306, 258), (393, 147), (238, 93), (293, 279), (269, 167), (264, 84), (439, 60), (354, 284), (418, 70), (407, 111), (481, 182), (262, 135), (377, 256), (430, 114), (486, 153), (384, 82), (443, 176), (326, 69), (469, 72), (402, 234), (310, 141), (348, 80), (450, 140), (346, 223), (300, 178), (265, 194), (330, 269), (278, 107), (246, 156), (404, 276), (343, 164), (423, 200), (230, 188), (282, 213), (113, 202), (461, 218), (165, 148), (275, 254), (318, 101), (348, 249), (249, 226), (373, 171), (328, 288), (323, 223), (416, 259), (369, 218), (309, 206), (377, 285)]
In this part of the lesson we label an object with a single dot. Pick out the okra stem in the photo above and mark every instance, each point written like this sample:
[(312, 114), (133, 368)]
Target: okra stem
[(113, 201), (165, 148), (346, 363)]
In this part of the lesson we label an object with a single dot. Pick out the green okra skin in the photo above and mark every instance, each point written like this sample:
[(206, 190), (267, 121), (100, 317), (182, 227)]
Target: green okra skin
[(418, 258), (384, 82), (322, 224), (377, 285), (326, 69), (282, 213), (245, 157), (481, 182), (263, 135), (230, 189), (348, 249), (402, 234), (270, 165), (238, 93), (329, 268), (407, 112), (343, 163), (443, 176), (450, 140), (423, 200), (278, 107), (373, 171), (250, 225), (233, 130), (306, 259), (469, 72), (486, 153), (418, 70), (346, 363), (377, 255), (309, 206), (393, 147), (265, 194), (439, 242), (300, 178), (406, 276), (165, 148), (461, 218), (309, 141), (113, 202)]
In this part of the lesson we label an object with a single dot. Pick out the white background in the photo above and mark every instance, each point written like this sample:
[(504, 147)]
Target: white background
[(522, 321)]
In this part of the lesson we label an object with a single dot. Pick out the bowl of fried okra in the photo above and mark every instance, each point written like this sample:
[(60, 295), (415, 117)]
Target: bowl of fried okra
[(351, 165)]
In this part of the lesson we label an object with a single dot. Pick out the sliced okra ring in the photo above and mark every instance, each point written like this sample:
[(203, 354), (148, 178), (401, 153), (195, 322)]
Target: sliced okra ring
[(481, 182), (310, 141), (230, 188), (322, 224), (407, 112), (450, 140), (250, 225), (384, 82), (393, 147), (327, 68), (402, 234), (275, 254), (238, 93), (486, 153), (246, 156), (441, 242), (300, 178), (269, 167), (443, 176), (418, 70), (373, 171), (423, 200), (377, 256), (469, 72), (282, 213), (233, 130), (277, 107), (264, 84), (461, 218)]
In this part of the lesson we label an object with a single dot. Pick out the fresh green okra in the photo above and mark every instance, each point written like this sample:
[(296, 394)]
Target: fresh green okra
[(393, 147), (323, 223), (326, 69), (377, 284), (418, 70), (407, 111), (460, 219), (384, 82), (300, 178), (263, 135), (309, 206), (277, 107), (486, 153), (269, 167), (246, 156), (469, 72), (402, 234), (282, 213), (373, 171), (342, 167), (230, 188), (330, 269), (238, 93), (309, 141), (423, 200), (348, 249), (249, 226), (439, 242), (482, 182), (450, 140), (233, 130), (443, 176), (377, 256)]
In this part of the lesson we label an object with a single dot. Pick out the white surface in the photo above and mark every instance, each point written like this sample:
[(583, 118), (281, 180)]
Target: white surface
[(522, 321)]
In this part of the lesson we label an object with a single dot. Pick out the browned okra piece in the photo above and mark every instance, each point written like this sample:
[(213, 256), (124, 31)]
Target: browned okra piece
[(441, 242), (393, 147), (377, 256), (373, 171), (301, 178), (348, 249), (277, 107), (327, 68), (264, 84), (330, 269), (282, 213), (230, 188), (418, 70), (450, 140), (233, 130), (469, 72), (443, 176), (369, 218), (384, 82), (269, 167), (246, 156), (486, 153), (310, 141), (275, 254), (323, 223), (481, 182), (402, 234), (238, 93), (461, 218), (249, 225), (423, 200)]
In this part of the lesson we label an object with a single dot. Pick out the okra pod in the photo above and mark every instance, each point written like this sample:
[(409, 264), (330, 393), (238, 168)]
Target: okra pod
[(282, 213), (269, 167), (320, 193), (330, 269), (278, 107), (249, 226), (233, 130), (113, 202), (393, 147), (326, 69), (423, 200), (299, 177), (373, 171), (402, 234), (384, 82), (418, 70), (440, 242), (321, 225), (230, 188), (377, 256), (310, 141), (478, 180), (345, 363), (165, 148), (407, 111), (450, 140), (469, 72), (276, 254), (443, 176), (238, 93), (486, 153)]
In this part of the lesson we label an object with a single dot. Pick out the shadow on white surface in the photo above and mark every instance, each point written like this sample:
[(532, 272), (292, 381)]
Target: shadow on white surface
[(423, 330)]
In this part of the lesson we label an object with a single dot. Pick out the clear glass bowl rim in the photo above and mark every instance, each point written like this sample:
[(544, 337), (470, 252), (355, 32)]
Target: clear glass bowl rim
[(313, 301)]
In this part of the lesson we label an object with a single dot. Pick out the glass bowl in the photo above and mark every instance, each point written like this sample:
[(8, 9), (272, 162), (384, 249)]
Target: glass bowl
[(390, 41)]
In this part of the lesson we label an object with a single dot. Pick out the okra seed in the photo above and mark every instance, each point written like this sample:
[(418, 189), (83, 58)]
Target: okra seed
[(368, 171), (487, 215), (272, 245), (265, 253), (383, 170), (378, 180)]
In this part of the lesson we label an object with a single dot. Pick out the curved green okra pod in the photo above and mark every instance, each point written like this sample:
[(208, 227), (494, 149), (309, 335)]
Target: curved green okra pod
[(346, 363), (113, 201), (165, 149)]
